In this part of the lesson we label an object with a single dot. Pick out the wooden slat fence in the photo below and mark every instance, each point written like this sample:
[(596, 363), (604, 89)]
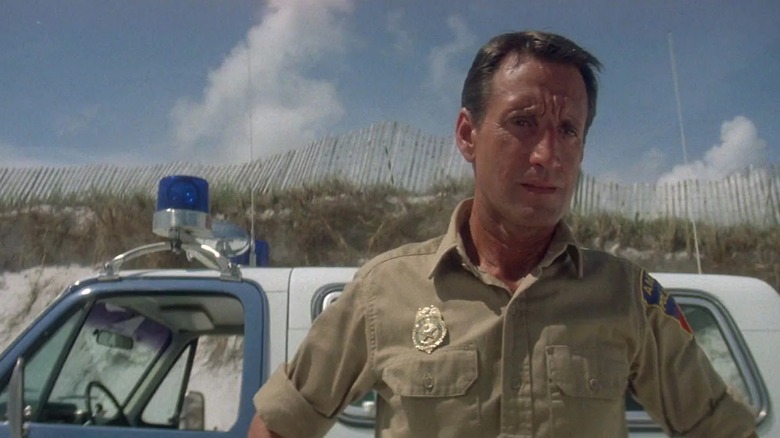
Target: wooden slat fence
[(389, 153), (748, 197)]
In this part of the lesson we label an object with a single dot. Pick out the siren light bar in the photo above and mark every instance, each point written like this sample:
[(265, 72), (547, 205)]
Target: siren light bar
[(182, 208)]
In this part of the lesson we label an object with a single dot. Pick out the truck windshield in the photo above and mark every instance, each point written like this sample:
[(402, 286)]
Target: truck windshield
[(113, 349)]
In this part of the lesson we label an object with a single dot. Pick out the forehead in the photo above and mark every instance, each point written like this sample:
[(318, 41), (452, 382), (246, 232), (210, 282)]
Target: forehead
[(523, 77)]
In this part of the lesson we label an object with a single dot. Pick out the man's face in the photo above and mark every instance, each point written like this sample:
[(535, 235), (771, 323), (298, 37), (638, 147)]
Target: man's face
[(528, 148)]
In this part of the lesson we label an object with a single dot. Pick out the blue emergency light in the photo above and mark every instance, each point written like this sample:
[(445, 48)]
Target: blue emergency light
[(183, 192), (182, 215), (182, 211)]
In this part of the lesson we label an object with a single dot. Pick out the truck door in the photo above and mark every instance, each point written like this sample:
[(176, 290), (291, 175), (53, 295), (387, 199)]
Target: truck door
[(142, 356)]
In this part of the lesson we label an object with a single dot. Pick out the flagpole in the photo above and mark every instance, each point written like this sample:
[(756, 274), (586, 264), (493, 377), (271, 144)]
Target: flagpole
[(684, 149)]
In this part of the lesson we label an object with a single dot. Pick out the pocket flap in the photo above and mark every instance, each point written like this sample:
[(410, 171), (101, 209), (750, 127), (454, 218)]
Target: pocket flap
[(444, 373), (587, 372)]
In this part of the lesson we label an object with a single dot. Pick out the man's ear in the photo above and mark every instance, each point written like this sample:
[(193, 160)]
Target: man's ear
[(464, 135)]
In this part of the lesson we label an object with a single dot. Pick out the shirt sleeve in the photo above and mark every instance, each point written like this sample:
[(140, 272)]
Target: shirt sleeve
[(673, 378), (330, 370)]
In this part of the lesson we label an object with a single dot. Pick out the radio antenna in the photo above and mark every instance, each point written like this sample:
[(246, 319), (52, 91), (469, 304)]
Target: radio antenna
[(684, 150), (250, 112)]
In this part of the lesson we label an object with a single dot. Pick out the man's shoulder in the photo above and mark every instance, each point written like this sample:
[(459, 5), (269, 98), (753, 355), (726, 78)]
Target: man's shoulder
[(418, 253), (597, 261)]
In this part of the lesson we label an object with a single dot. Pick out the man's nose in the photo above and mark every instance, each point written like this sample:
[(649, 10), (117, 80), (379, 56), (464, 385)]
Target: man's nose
[(544, 152)]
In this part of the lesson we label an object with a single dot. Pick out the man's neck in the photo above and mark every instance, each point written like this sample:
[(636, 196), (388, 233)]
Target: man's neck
[(507, 254)]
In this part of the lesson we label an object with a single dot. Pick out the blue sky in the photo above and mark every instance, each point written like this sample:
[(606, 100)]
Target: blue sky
[(135, 82)]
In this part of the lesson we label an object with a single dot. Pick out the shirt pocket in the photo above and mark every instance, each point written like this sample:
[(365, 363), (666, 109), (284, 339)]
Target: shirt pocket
[(588, 373), (445, 373), (429, 394), (586, 389)]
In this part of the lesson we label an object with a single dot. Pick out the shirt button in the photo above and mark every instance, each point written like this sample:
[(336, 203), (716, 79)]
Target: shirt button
[(515, 383), (594, 384), (428, 382), (513, 310)]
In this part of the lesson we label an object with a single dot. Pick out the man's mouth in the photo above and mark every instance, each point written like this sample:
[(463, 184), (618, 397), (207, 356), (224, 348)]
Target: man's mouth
[(540, 188)]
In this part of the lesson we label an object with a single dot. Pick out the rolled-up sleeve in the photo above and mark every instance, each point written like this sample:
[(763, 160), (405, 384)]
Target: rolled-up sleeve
[(675, 381), (331, 369), (285, 410)]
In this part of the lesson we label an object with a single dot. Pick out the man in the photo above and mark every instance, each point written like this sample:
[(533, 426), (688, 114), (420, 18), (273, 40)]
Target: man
[(504, 326)]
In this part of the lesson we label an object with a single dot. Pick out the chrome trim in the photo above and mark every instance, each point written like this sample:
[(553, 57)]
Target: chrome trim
[(330, 299), (181, 224), (324, 296), (206, 255), (15, 406)]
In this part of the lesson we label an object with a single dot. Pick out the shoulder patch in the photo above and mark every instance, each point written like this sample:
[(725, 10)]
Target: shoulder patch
[(654, 295)]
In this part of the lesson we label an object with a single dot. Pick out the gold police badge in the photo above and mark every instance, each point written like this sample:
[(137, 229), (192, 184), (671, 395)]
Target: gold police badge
[(429, 329)]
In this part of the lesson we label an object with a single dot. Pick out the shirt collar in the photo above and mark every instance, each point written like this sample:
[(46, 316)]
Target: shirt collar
[(452, 245)]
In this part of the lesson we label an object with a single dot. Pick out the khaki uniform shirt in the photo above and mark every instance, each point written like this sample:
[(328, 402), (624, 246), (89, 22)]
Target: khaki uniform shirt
[(551, 359)]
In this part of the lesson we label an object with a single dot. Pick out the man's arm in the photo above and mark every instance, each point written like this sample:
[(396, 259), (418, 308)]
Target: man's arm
[(330, 369), (675, 381), (257, 429)]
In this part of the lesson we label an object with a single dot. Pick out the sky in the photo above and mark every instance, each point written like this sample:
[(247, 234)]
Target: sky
[(140, 82)]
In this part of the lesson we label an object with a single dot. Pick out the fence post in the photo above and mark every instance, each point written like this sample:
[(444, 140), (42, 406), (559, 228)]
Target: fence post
[(772, 198)]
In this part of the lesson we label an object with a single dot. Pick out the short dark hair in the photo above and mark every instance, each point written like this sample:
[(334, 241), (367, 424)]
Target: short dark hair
[(540, 45)]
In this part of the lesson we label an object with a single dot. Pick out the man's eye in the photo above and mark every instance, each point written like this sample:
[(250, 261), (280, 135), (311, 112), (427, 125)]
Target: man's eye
[(569, 132), (521, 122)]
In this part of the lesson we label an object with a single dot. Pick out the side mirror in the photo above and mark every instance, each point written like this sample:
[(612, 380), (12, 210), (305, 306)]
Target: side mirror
[(193, 409), (16, 400)]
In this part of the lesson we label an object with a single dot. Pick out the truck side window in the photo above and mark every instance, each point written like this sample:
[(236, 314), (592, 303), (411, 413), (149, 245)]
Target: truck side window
[(113, 350), (162, 409), (216, 373), (721, 341), (710, 337), (38, 369)]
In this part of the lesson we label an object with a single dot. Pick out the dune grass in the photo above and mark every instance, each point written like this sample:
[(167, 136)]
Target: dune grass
[(337, 224)]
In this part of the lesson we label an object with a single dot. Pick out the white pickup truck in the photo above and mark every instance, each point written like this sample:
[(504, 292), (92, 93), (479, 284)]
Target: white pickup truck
[(180, 353)]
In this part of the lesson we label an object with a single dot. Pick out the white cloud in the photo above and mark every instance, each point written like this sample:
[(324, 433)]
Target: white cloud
[(444, 76), (740, 147), (289, 107)]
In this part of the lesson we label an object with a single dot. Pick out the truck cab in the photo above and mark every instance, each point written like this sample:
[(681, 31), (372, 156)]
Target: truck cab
[(139, 353)]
